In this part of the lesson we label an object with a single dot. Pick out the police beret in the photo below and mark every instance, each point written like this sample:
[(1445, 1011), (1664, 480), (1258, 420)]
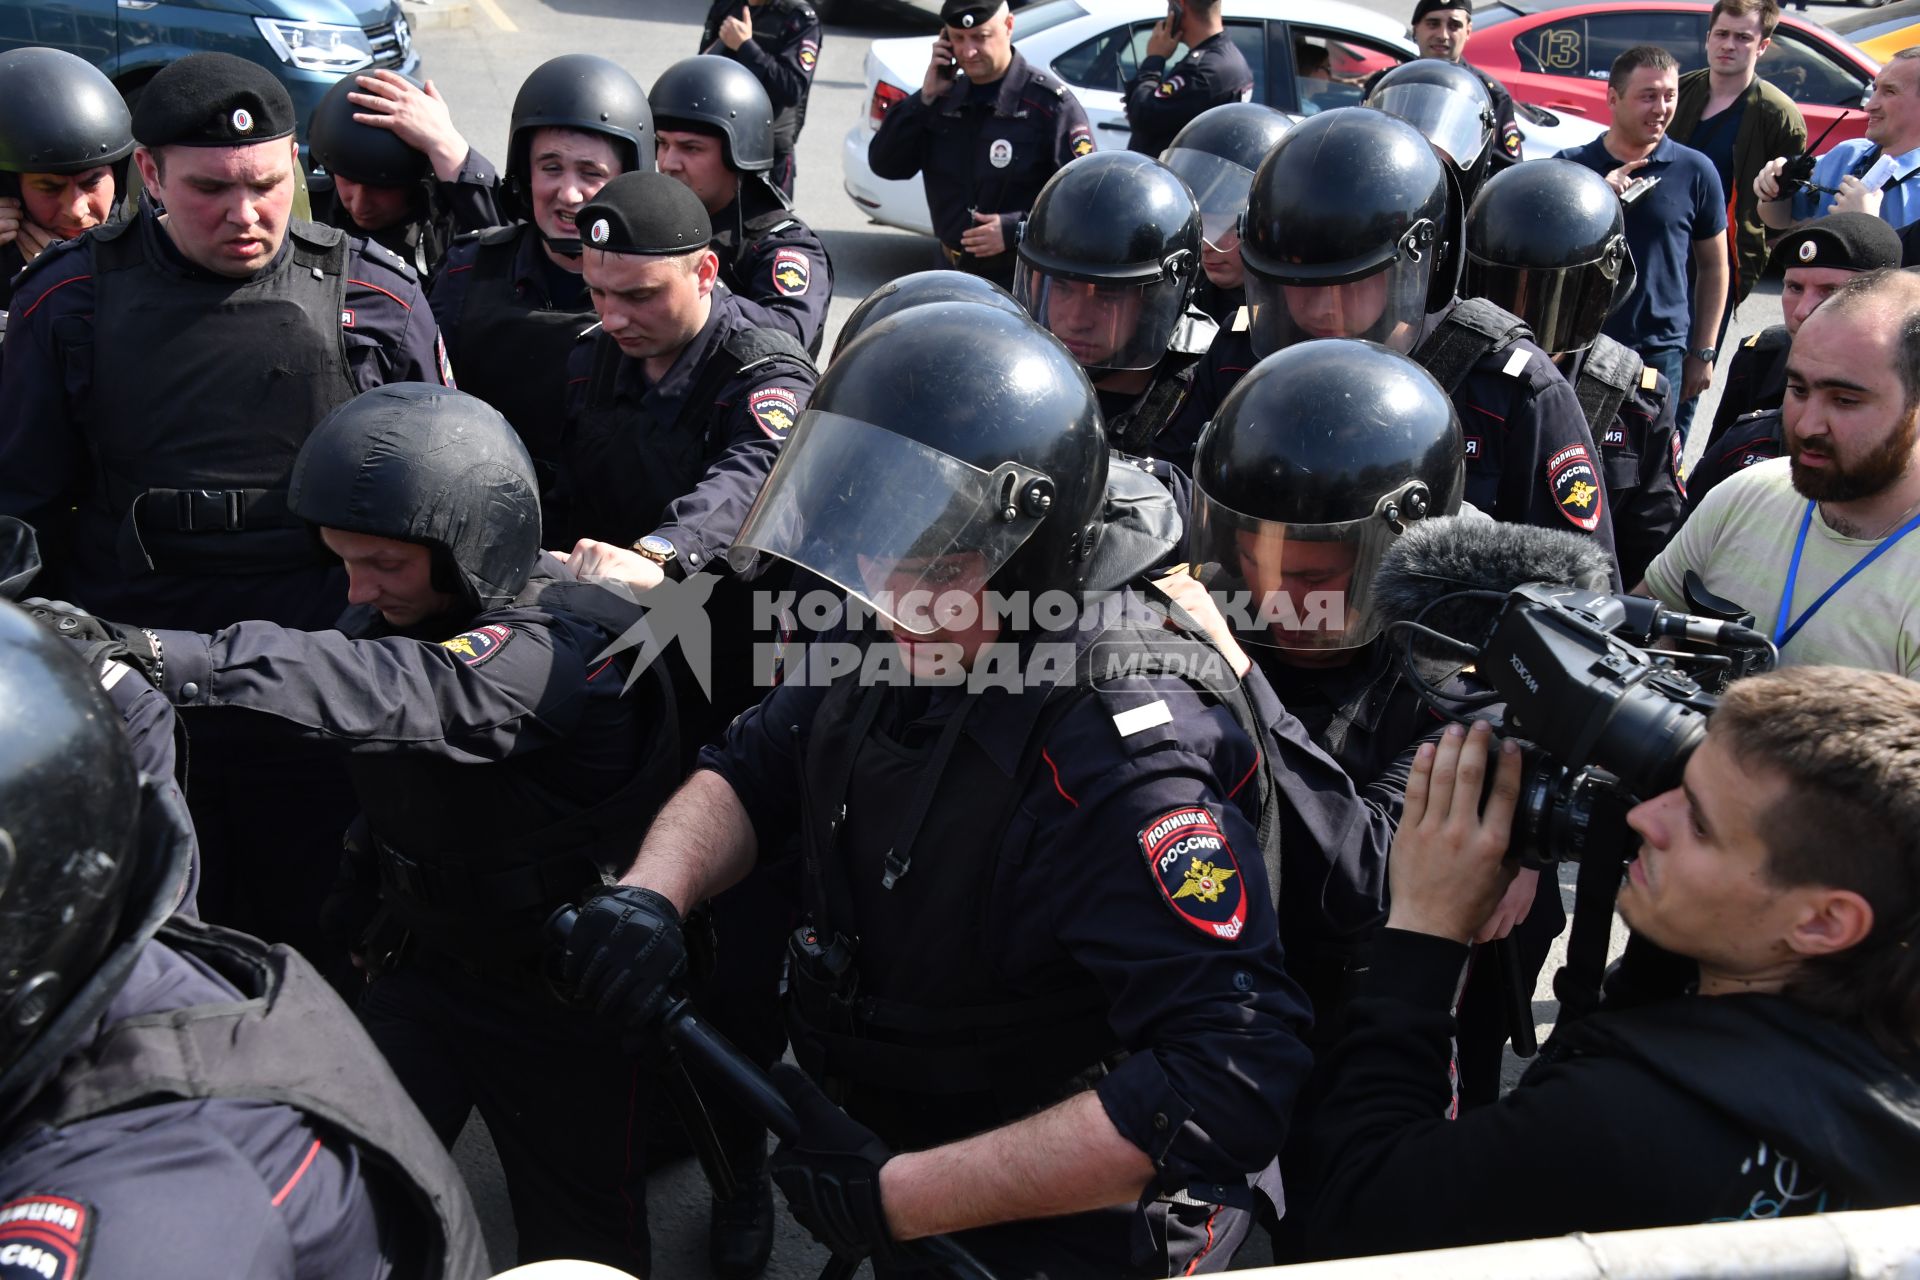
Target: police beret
[(212, 100), (1425, 7), (1844, 241), (645, 213), (968, 13)]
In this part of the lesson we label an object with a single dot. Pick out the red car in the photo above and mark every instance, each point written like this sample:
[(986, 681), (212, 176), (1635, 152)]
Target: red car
[(1556, 55)]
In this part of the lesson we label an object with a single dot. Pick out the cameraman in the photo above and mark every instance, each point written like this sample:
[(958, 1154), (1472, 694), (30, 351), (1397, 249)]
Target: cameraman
[(1785, 866)]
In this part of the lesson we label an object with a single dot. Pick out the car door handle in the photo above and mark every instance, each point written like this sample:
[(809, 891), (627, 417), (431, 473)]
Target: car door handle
[(1118, 126)]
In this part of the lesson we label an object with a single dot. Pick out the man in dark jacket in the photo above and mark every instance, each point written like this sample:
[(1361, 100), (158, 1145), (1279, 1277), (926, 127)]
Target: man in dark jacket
[(779, 41), (1784, 869), (1161, 100)]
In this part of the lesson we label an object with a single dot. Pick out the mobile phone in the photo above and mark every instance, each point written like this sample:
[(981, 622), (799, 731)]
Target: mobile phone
[(947, 69), (1174, 13)]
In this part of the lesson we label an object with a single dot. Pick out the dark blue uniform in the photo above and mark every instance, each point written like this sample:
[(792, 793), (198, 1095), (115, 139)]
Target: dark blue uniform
[(988, 147), (1124, 898), (445, 210), (1160, 100), (782, 55), (1754, 438), (1640, 461), (1756, 378), (775, 265)]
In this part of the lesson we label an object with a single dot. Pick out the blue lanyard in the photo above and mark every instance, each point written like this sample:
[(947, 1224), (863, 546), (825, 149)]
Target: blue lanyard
[(1781, 631)]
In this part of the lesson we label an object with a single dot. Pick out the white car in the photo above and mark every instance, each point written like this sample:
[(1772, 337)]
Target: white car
[(1095, 46)]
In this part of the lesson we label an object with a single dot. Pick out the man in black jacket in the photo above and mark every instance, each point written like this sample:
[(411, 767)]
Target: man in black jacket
[(1783, 1082)]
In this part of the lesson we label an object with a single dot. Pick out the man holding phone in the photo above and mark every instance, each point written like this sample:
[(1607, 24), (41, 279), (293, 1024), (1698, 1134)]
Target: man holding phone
[(1160, 101), (985, 133)]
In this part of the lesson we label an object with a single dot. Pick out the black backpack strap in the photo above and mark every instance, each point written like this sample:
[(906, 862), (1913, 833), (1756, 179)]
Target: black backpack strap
[(1607, 376), (1465, 336)]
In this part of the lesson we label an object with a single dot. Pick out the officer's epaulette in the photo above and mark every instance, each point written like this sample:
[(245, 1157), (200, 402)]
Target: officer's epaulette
[(60, 251), (1752, 340), (1649, 378), (373, 251)]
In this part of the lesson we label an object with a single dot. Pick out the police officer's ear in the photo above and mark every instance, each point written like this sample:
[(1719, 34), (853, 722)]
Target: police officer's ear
[(706, 270), (151, 166)]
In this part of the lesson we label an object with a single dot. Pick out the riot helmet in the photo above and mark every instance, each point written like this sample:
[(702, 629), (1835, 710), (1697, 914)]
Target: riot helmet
[(715, 95), (1216, 154), (1317, 460), (950, 448), (918, 290), (1547, 241), (1445, 102), (1108, 257), (576, 91), (62, 116), (359, 152), (69, 824), (1345, 233), (427, 464)]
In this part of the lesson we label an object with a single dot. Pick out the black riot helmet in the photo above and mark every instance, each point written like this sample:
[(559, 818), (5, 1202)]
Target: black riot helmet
[(1352, 204), (918, 290), (1108, 256), (427, 464), (949, 448), (1317, 460), (714, 95), (359, 152), (1547, 241), (62, 115), (1216, 154), (576, 91), (69, 821), (1444, 101)]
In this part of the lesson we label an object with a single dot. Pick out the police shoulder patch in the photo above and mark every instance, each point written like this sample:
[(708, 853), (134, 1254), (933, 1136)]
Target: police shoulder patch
[(776, 409), (809, 54), (44, 1237), (1170, 86), (791, 273), (1199, 878), (1576, 486), (476, 646)]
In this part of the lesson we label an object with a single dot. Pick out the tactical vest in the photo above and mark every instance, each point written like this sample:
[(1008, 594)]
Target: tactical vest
[(1607, 377), (907, 1021), (1134, 429), (1464, 337), (202, 390), (288, 1041), (624, 469), (512, 350)]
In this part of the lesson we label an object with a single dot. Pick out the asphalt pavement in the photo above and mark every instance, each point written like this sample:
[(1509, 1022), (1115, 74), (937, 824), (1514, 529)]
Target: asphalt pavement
[(478, 67)]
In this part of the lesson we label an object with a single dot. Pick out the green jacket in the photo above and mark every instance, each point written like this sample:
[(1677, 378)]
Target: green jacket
[(1772, 126)]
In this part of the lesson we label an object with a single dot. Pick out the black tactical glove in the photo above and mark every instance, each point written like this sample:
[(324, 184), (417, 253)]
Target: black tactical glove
[(623, 956), (98, 639), (830, 1174)]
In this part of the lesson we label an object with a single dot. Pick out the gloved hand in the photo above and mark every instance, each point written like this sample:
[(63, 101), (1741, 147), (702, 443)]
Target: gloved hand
[(623, 956), (830, 1174), (98, 639)]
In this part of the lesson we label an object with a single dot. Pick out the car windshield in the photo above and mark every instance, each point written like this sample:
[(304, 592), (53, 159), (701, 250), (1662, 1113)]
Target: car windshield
[(1032, 21)]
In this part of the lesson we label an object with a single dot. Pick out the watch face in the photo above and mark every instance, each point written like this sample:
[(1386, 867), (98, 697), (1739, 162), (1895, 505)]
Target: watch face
[(658, 547)]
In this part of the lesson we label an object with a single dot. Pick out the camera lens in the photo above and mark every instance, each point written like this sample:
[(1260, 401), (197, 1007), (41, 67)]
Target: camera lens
[(1647, 740)]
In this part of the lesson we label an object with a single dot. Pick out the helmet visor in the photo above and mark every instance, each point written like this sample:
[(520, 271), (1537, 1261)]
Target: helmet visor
[(1387, 307), (1458, 125), (1220, 187), (1104, 325), (904, 527), (1301, 587), (1565, 306)]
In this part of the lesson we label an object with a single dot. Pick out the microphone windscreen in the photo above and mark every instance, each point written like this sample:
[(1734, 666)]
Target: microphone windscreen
[(1438, 557)]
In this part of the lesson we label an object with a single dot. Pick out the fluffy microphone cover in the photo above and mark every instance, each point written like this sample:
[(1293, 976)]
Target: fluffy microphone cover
[(1437, 557)]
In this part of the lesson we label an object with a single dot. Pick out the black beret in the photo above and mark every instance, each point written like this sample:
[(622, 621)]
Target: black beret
[(968, 13), (645, 213), (1425, 7), (1844, 241), (212, 100)]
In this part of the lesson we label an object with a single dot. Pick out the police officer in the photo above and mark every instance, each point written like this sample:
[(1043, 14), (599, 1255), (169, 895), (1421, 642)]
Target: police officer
[(1216, 155), (715, 133), (1449, 105), (1108, 258), (180, 1100), (499, 770), (1346, 237), (1548, 242), (985, 132), (398, 172), (779, 42), (1160, 101), (1031, 896), (919, 289), (511, 300), (64, 140), (1441, 28)]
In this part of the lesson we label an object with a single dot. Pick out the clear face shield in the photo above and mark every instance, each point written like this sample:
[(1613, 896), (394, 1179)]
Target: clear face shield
[(1220, 189), (1299, 587), (1565, 306), (1386, 305), (1459, 125), (1107, 325), (912, 531)]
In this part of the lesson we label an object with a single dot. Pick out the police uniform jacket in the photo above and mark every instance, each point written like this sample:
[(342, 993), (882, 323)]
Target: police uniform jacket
[(1756, 378), (1640, 461), (1507, 139), (12, 263), (775, 264), (1754, 438), (782, 54), (139, 440), (1161, 100), (985, 147), (679, 457)]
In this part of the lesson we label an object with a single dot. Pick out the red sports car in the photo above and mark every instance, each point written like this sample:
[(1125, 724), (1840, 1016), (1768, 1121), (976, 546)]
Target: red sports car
[(1556, 55)]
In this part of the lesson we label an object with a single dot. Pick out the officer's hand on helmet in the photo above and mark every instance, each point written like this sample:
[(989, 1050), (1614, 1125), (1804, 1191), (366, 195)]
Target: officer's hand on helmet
[(12, 214), (830, 1174), (1447, 869), (97, 639), (623, 956), (611, 565), (736, 29), (418, 117)]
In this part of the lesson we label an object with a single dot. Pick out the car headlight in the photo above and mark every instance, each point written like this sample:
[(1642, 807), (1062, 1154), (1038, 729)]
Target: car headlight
[(317, 46)]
